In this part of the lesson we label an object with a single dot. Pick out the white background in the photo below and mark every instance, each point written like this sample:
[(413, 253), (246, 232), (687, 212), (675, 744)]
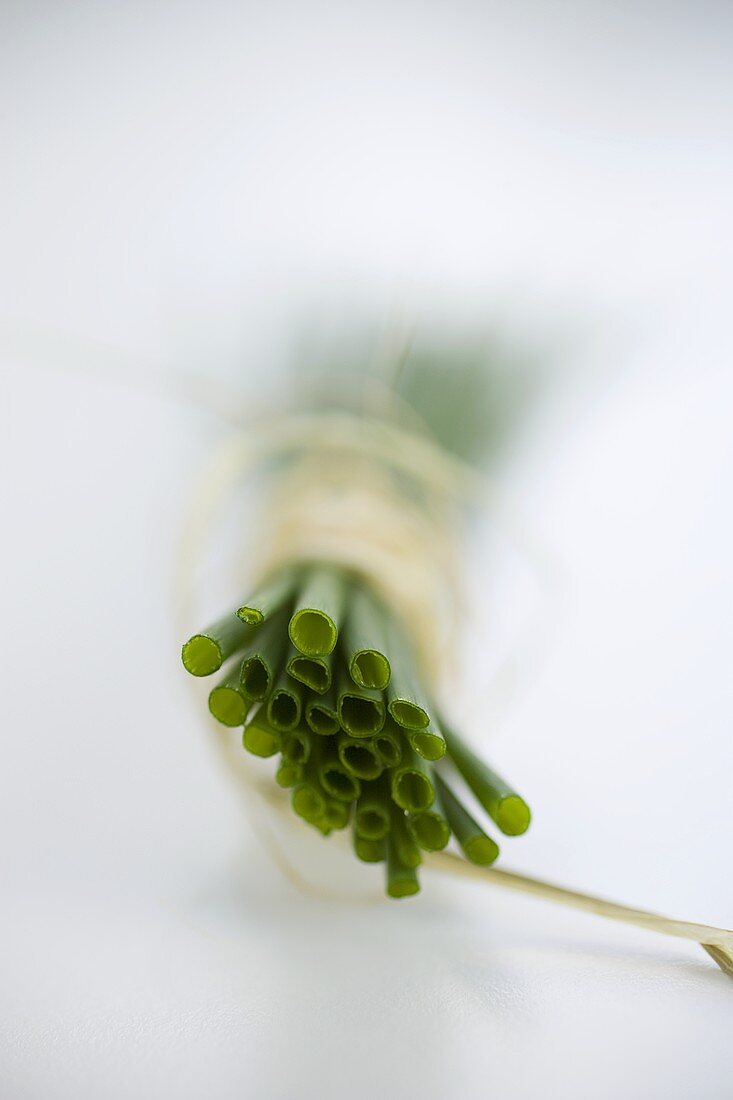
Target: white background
[(182, 185)]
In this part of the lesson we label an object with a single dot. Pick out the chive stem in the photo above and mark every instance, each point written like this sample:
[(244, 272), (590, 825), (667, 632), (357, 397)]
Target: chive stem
[(475, 844), (273, 595), (318, 609), (507, 808), (206, 652)]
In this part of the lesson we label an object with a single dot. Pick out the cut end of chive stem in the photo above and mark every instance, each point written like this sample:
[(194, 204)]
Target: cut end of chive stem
[(360, 759), (409, 715), (283, 710), (250, 615), (430, 831), (260, 741), (201, 655), (228, 706), (369, 851), (513, 815), (481, 850), (255, 678), (359, 716), (296, 747), (313, 632), (308, 803), (322, 720), (312, 672), (428, 744), (370, 669), (389, 749), (412, 791), (339, 784), (372, 824)]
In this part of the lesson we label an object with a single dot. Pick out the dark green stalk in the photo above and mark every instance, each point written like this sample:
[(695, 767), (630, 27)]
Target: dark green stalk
[(359, 757), (405, 693), (430, 829), (274, 594), (360, 710), (297, 746), (259, 737), (369, 851), (263, 657), (285, 705), (507, 808), (314, 672), (403, 840), (372, 819), (402, 881), (289, 773), (318, 610), (365, 641), (205, 653), (412, 785), (388, 743), (227, 701), (428, 743), (475, 844), (321, 714)]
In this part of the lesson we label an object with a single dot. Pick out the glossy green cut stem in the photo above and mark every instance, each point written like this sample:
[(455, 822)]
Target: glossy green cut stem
[(365, 641), (402, 881), (308, 802), (404, 841), (369, 851), (372, 818), (475, 844), (289, 774), (314, 672), (264, 656), (274, 594), (260, 738), (337, 814), (428, 743), (412, 785), (318, 610), (321, 714), (430, 829), (359, 757), (227, 702), (388, 743), (360, 710), (205, 653), (507, 808), (405, 693), (285, 705), (297, 746), (336, 781)]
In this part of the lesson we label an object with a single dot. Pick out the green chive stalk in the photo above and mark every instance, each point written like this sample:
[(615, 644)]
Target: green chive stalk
[(321, 714), (285, 705), (412, 784), (501, 802), (319, 606), (314, 672), (205, 653), (475, 844), (405, 692), (260, 738), (402, 880), (365, 641), (359, 757), (227, 702), (430, 829), (369, 851), (403, 840), (263, 657), (372, 817), (288, 773), (360, 710), (274, 594)]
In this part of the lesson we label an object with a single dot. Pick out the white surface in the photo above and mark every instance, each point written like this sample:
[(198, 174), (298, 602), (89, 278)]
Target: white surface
[(182, 186)]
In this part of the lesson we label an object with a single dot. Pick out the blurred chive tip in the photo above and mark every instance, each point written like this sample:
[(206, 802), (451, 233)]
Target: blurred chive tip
[(206, 652)]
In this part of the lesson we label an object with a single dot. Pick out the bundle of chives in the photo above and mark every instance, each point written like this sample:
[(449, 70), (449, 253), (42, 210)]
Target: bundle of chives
[(340, 698)]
